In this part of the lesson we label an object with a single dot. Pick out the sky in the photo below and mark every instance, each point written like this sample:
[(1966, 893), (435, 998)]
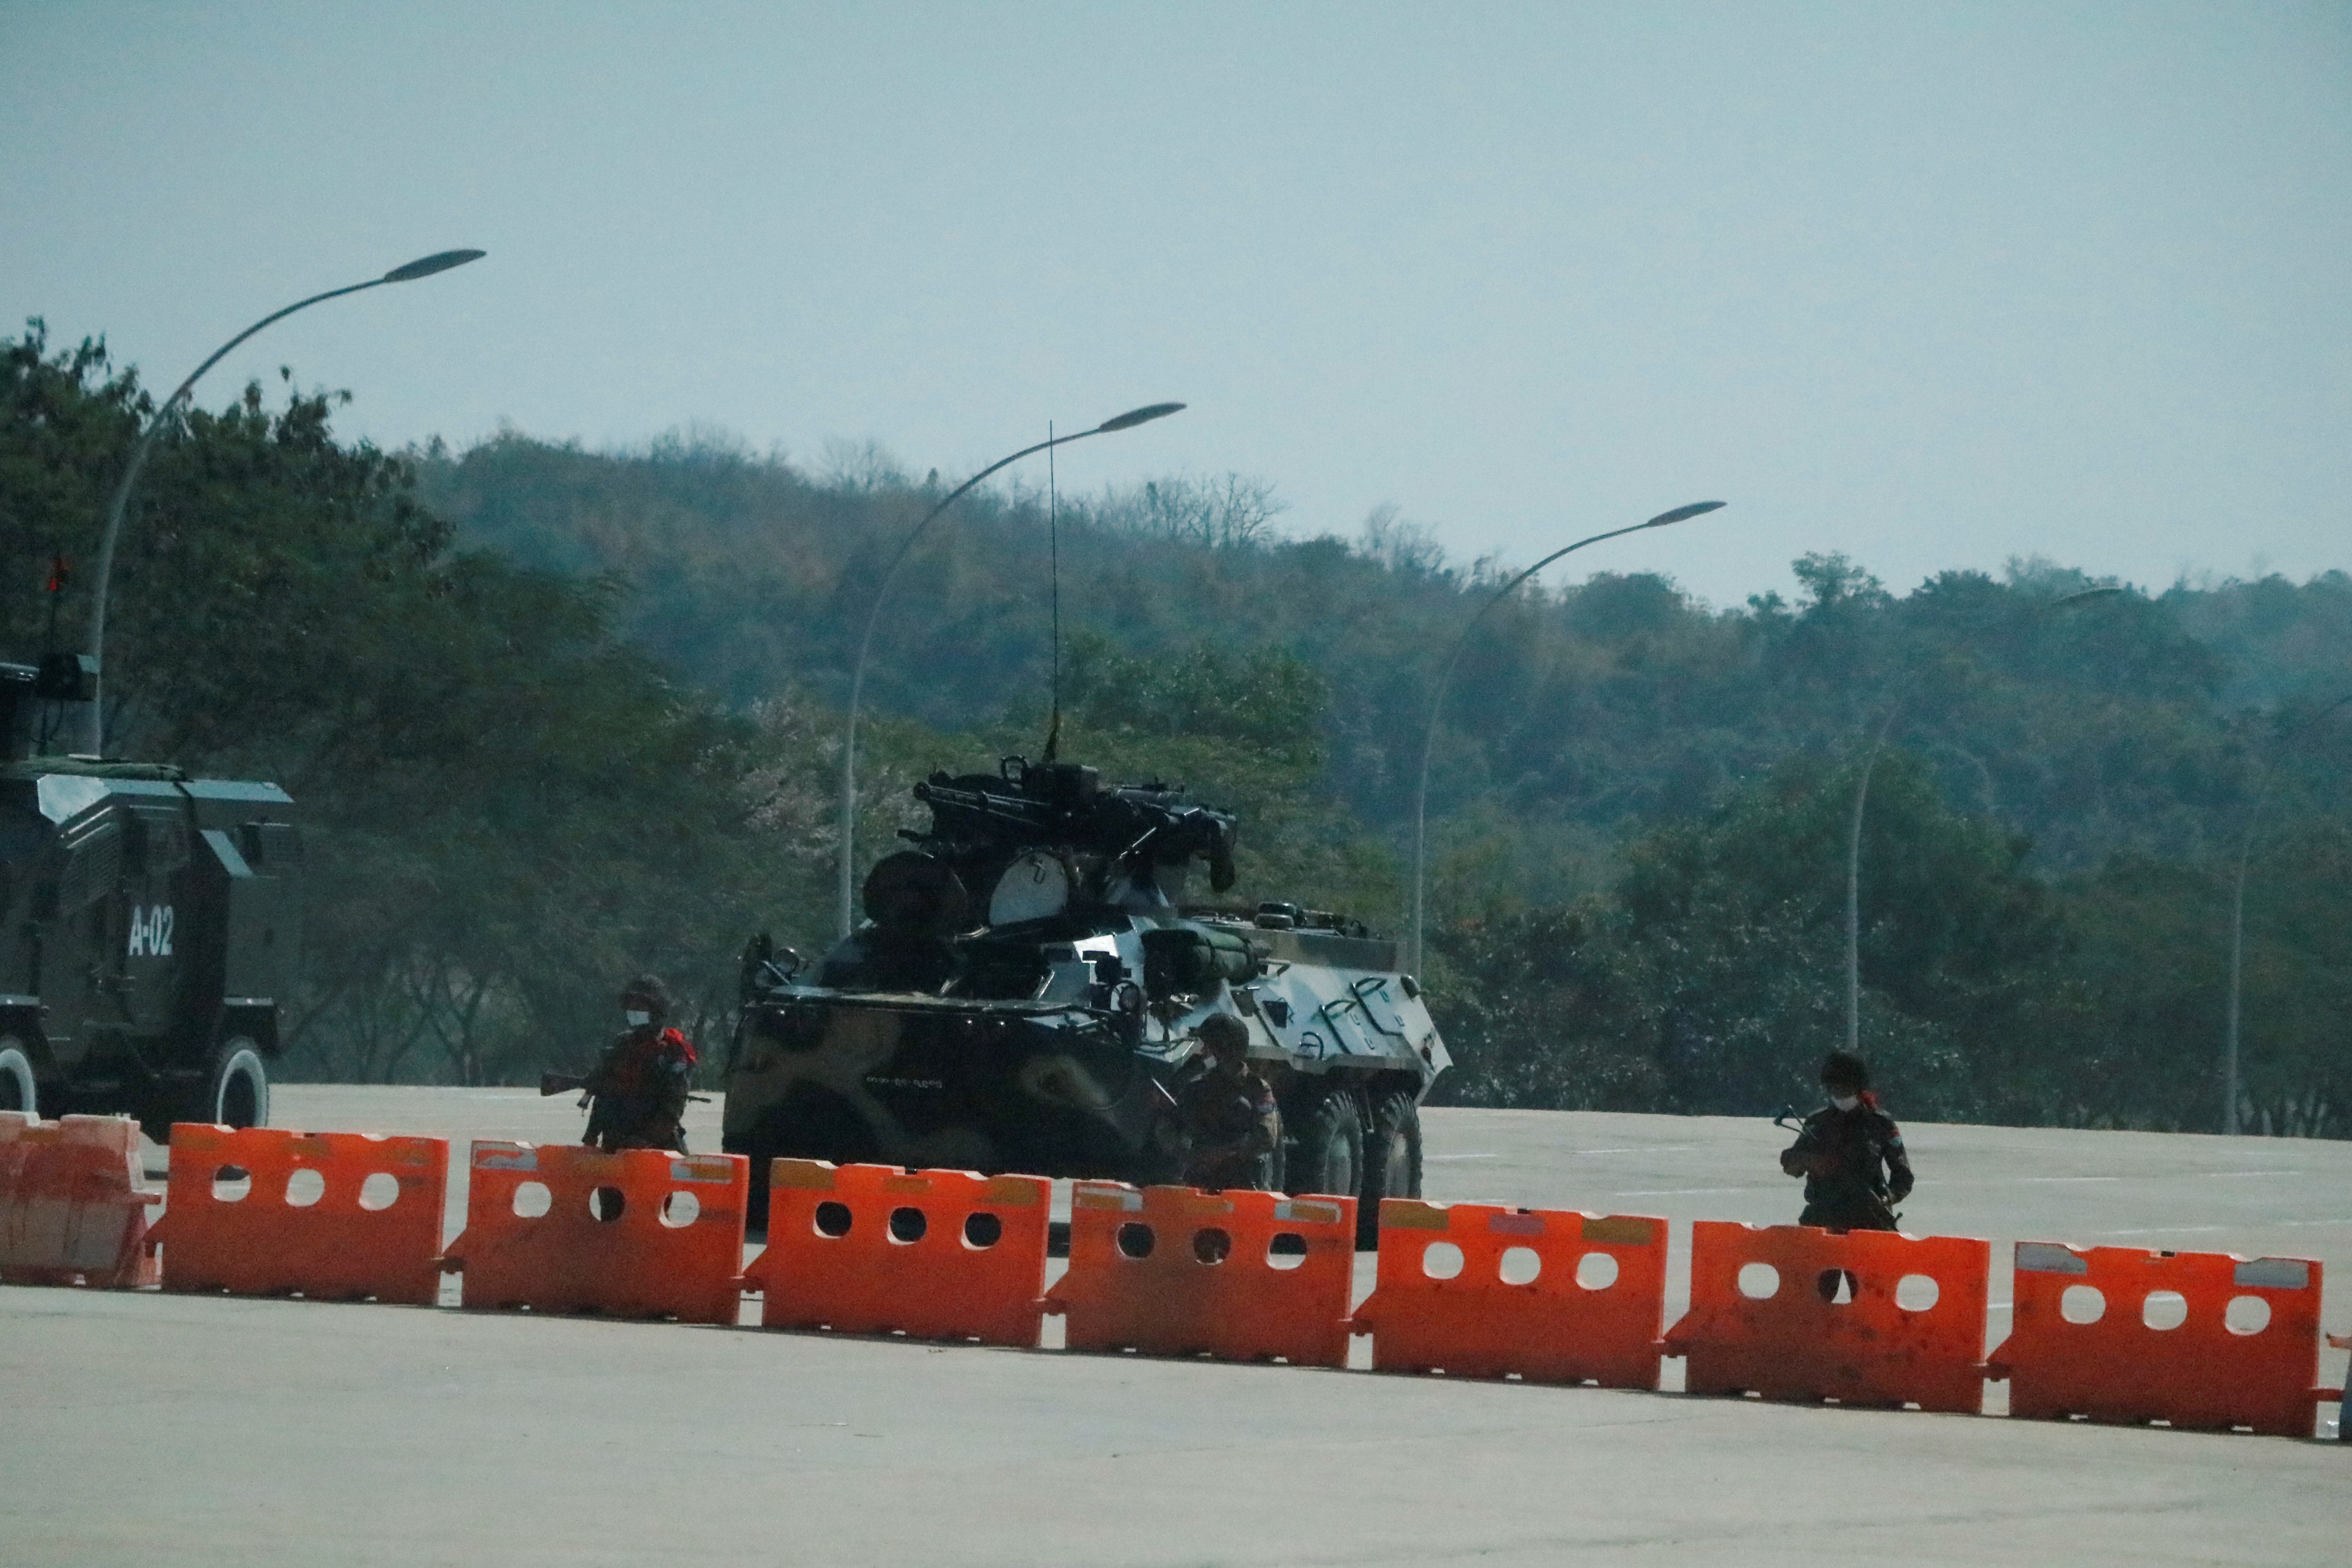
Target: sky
[(1933, 285)]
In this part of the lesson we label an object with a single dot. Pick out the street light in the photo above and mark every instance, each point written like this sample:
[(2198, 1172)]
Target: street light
[(422, 266), (1127, 421), (1854, 834), (2238, 913), (1445, 677)]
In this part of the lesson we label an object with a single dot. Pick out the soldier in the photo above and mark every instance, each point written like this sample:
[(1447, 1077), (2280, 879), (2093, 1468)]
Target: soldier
[(1850, 1154), (1231, 1123), (640, 1082)]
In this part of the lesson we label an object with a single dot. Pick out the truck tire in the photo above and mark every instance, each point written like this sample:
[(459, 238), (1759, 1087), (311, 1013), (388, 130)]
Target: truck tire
[(1324, 1149), (1391, 1162), (233, 1092), (18, 1089)]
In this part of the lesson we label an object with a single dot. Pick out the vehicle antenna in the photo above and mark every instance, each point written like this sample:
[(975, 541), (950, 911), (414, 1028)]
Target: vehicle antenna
[(1054, 546)]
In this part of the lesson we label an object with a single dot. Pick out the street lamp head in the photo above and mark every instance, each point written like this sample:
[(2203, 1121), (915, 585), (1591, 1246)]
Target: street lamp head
[(1685, 513), (2085, 594), (426, 266), (1135, 417)]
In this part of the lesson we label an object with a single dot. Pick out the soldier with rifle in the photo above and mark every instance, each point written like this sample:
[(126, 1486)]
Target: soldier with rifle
[(1231, 1124), (1850, 1154), (639, 1085)]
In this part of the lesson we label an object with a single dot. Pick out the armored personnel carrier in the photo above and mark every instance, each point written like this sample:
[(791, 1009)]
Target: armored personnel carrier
[(148, 927), (1025, 992)]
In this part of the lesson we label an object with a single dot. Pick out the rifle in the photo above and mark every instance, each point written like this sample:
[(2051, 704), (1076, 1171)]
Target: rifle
[(565, 1082)]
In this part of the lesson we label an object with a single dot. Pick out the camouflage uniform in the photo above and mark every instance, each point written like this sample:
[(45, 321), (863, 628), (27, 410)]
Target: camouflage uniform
[(1231, 1123), (640, 1082), (1853, 1164)]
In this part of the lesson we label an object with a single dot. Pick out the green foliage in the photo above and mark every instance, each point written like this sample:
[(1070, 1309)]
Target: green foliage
[(506, 807), (555, 714), (1712, 977)]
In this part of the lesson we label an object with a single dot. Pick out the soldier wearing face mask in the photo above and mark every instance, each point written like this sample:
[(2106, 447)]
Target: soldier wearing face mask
[(1850, 1154), (640, 1083)]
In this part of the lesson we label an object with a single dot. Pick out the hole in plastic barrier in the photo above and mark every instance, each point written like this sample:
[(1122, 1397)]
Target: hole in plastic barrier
[(831, 1218), (908, 1224), (680, 1209), (2246, 1315), (1837, 1286), (1211, 1245), (1520, 1266), (230, 1183), (2083, 1304), (606, 1204), (1596, 1270), (1759, 1281), (532, 1200), (2164, 1309), (982, 1231), (380, 1191), (1135, 1239), (1287, 1250), (1441, 1260), (1917, 1292), (305, 1187)]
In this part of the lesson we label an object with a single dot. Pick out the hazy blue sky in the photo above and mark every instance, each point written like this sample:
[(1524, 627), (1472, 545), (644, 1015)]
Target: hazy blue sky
[(1934, 285)]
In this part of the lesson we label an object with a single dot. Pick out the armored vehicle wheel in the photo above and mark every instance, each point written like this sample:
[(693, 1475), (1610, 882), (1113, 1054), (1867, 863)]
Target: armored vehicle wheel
[(233, 1092), (1325, 1152), (1391, 1162), (18, 1089)]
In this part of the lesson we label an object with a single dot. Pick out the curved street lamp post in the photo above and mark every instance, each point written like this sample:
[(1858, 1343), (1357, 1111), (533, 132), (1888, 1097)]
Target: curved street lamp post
[(848, 814), (1854, 832), (422, 266), (2238, 913), (1445, 678)]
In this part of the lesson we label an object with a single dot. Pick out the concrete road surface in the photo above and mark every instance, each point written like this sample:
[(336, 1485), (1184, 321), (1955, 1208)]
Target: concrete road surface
[(143, 1428)]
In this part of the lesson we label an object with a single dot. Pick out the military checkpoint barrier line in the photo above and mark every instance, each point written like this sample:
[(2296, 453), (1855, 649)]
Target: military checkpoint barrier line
[(262, 1211), (934, 1254), (2197, 1340), (71, 1210)]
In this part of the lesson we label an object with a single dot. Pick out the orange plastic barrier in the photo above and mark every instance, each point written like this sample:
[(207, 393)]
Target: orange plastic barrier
[(365, 1220), (1442, 1301), (71, 1209), (2244, 1350), (939, 1255), (1830, 1320), (1171, 1271), (644, 1233)]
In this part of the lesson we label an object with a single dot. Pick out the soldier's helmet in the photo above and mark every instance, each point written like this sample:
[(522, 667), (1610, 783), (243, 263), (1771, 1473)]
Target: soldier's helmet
[(1225, 1035), (649, 995)]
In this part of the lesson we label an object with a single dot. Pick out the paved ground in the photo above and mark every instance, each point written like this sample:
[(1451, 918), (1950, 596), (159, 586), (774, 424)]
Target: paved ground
[(148, 1429)]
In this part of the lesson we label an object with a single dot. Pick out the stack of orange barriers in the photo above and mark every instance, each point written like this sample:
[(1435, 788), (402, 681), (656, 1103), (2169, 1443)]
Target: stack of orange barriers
[(71, 1209)]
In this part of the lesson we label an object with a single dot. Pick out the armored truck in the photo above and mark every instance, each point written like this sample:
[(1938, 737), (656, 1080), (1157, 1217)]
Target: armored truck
[(148, 929), (1025, 992)]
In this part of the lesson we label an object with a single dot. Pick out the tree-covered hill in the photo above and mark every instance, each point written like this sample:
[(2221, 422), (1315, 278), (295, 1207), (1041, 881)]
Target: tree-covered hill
[(556, 714)]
